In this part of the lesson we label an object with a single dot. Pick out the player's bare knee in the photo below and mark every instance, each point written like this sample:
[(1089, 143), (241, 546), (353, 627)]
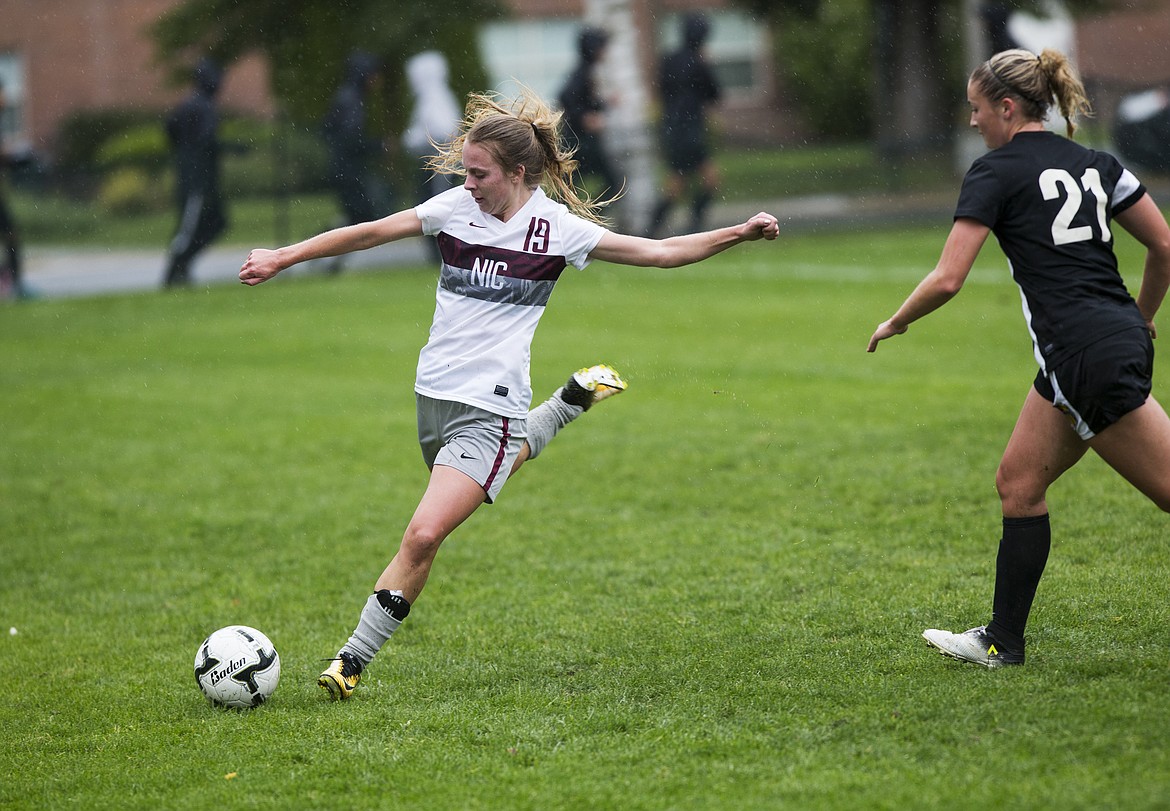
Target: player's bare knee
[(421, 541), (1018, 495), (1006, 485)]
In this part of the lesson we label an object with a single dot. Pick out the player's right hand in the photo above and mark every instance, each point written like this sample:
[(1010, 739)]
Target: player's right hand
[(884, 330)]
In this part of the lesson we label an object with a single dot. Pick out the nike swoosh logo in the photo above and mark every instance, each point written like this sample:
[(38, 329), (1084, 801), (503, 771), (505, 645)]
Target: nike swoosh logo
[(465, 456), (476, 225)]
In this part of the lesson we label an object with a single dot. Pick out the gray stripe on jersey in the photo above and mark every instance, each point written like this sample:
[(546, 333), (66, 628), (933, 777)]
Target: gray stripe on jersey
[(487, 285)]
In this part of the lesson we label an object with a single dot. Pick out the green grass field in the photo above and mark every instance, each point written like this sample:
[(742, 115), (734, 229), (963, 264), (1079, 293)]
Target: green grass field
[(707, 594)]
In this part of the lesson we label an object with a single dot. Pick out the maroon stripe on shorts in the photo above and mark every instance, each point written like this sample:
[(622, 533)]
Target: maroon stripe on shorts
[(500, 456)]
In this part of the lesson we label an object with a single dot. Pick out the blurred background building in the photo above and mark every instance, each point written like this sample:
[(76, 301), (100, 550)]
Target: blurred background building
[(61, 56), (58, 57)]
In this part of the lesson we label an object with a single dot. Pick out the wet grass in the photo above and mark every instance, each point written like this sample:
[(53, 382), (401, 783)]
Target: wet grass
[(707, 593)]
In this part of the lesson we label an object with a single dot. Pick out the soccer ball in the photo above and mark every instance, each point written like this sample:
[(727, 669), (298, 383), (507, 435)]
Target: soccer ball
[(237, 667)]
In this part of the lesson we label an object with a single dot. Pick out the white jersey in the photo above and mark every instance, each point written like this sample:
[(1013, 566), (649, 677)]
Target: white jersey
[(495, 281)]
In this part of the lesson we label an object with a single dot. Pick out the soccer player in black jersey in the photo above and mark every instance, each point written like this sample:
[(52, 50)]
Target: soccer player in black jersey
[(1051, 204)]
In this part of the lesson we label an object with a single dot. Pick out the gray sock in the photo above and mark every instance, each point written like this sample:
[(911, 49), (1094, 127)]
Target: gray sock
[(547, 419), (380, 618)]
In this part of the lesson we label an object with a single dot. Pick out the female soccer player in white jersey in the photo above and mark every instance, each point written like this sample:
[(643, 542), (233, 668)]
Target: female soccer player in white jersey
[(504, 242), (1051, 203)]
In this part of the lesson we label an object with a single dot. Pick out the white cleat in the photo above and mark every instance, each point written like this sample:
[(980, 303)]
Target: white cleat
[(591, 385), (975, 646)]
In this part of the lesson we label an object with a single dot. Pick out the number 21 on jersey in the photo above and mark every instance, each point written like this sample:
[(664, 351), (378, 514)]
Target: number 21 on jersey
[(1056, 183)]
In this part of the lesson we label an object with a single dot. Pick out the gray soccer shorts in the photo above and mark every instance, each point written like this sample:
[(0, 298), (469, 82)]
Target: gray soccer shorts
[(478, 443)]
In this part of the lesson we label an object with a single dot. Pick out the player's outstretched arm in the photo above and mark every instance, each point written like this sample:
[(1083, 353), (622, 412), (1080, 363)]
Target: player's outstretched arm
[(263, 264), (675, 252), (941, 284)]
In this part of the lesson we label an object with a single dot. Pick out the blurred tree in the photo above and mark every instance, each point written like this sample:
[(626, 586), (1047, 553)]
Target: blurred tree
[(915, 68), (882, 68), (823, 55), (800, 9), (306, 43)]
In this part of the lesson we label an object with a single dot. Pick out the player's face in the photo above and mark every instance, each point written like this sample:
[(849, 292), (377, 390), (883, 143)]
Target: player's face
[(987, 117), (496, 192)]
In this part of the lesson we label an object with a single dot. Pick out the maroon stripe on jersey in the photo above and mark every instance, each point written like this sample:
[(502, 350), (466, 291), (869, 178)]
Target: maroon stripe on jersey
[(517, 264), (500, 456)]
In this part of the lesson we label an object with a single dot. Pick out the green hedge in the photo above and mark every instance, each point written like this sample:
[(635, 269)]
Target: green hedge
[(122, 159)]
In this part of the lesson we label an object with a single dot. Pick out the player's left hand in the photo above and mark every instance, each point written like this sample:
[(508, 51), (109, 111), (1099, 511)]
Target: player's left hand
[(260, 266), (762, 225)]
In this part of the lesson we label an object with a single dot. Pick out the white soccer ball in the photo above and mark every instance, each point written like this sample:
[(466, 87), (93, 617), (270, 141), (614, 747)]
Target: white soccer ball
[(237, 667)]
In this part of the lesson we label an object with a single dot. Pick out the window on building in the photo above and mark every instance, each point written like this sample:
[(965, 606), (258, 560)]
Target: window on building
[(12, 77), (539, 53), (737, 48)]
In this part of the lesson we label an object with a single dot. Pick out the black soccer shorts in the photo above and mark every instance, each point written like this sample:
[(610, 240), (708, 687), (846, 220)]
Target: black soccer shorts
[(1103, 382)]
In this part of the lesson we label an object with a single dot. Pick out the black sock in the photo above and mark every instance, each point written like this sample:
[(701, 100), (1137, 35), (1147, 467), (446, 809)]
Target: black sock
[(394, 603), (1023, 552)]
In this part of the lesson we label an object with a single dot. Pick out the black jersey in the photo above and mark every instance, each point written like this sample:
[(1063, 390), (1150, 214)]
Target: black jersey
[(1050, 203), (688, 87)]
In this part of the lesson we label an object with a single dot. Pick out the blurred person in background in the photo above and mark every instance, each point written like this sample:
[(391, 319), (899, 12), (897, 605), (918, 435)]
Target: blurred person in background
[(434, 121), (688, 88), (192, 128), (350, 147), (585, 112), (1141, 129), (11, 282)]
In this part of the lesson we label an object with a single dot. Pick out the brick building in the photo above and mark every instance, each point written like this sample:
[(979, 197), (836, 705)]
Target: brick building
[(1125, 51), (58, 56)]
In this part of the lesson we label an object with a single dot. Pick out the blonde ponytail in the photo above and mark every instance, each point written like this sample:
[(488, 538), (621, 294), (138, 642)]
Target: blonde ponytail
[(524, 132), (1035, 81), (1066, 86)]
